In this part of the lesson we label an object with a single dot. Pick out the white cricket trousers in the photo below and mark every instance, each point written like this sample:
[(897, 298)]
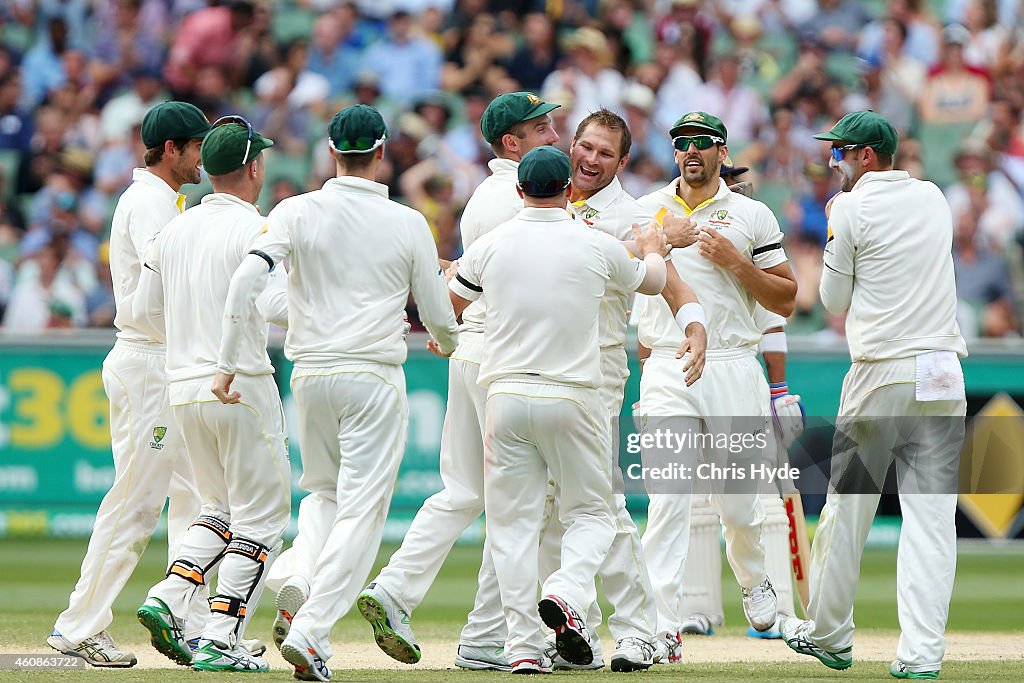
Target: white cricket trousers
[(929, 449), (353, 423), (534, 428), (623, 575), (240, 460), (446, 514), (732, 386), (150, 466)]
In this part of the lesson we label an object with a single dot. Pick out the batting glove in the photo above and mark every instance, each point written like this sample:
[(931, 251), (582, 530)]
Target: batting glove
[(788, 413)]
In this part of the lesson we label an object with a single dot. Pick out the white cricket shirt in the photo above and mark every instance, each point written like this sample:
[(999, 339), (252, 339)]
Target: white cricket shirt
[(141, 213), (544, 275), (728, 304), (194, 257), (353, 258), (889, 262), (494, 201), (613, 211)]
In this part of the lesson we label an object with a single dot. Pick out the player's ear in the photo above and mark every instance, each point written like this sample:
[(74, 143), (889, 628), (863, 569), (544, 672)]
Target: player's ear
[(568, 190), (622, 163), (519, 191), (380, 153)]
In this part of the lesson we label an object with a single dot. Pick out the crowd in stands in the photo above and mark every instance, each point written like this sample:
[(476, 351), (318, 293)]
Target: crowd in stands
[(76, 77)]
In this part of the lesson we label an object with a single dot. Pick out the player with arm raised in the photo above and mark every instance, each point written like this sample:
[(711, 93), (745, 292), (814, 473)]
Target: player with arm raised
[(150, 464), (599, 150), (735, 261), (354, 257), (513, 124), (238, 452), (545, 275)]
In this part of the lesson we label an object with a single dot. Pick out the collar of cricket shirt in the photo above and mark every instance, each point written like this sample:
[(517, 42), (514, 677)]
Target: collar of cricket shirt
[(348, 182), (881, 176), (147, 177), (503, 167), (546, 214), (723, 193), (225, 198), (600, 200)]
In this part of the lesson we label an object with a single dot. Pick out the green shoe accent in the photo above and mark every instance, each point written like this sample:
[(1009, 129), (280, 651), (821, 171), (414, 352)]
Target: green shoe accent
[(833, 660), (898, 670), (164, 632), (209, 657), (388, 639)]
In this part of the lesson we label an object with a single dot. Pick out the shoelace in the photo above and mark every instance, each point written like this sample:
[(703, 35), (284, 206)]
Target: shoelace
[(757, 593), (104, 640), (646, 648)]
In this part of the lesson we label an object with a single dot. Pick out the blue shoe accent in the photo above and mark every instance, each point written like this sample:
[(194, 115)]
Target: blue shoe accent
[(770, 634)]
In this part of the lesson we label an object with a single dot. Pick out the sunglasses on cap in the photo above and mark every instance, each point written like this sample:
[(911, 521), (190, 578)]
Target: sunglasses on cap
[(548, 188), (839, 152), (358, 145), (234, 118), (701, 142)]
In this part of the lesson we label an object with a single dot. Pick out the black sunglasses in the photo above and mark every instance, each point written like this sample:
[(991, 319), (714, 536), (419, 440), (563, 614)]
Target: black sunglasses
[(701, 142), (234, 118), (549, 188)]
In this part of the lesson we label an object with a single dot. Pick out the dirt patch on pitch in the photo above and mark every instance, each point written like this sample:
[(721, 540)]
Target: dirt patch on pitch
[(440, 654)]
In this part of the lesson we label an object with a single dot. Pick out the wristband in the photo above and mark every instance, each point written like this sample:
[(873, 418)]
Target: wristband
[(774, 342), (690, 313), (778, 389)]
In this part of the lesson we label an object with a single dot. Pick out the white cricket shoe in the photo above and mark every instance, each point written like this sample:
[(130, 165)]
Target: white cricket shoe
[(760, 605), (559, 663), (290, 598), (391, 624), (480, 658), (99, 650), (211, 655), (632, 654), (572, 637), (698, 625), (669, 648), (532, 666), (309, 664)]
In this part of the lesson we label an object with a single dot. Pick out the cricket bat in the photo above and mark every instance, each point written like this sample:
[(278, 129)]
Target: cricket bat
[(799, 548)]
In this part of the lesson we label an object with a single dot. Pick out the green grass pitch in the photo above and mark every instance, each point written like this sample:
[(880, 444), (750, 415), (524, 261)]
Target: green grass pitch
[(38, 575)]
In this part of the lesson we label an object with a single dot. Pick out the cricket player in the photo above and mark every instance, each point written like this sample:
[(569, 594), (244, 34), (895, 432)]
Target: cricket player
[(702, 578), (150, 464), (545, 275), (513, 124), (599, 150), (237, 452), (735, 261), (892, 273), (355, 256)]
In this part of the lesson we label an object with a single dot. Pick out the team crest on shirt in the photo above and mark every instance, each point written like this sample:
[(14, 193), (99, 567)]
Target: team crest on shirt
[(158, 436), (719, 218), (588, 213)]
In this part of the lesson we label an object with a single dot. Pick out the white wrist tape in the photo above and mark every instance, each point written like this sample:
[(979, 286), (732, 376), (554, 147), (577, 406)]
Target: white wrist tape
[(690, 313), (774, 342)]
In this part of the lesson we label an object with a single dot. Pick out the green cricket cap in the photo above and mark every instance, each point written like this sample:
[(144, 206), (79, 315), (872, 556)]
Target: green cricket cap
[(544, 171), (507, 110), (357, 130), (224, 149), (864, 128), (173, 121), (701, 121)]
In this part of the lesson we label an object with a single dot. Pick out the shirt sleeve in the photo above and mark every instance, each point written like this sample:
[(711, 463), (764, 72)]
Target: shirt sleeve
[(467, 282), (767, 251), (624, 271), (836, 287), (274, 242), (428, 288)]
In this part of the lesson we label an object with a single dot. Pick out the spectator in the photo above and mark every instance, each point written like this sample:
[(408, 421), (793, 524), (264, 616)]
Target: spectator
[(211, 37), (837, 24), (739, 106), (308, 88), (922, 39), (982, 281), (406, 65), (42, 285), (126, 110), (15, 122), (538, 56), (330, 54), (587, 75), (687, 24), (126, 40), (986, 47), (464, 139), (475, 55), (42, 67), (1001, 210), (953, 92)]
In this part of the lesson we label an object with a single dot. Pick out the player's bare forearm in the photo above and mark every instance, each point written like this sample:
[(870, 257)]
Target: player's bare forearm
[(676, 293), (774, 288), (775, 365), (642, 353)]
